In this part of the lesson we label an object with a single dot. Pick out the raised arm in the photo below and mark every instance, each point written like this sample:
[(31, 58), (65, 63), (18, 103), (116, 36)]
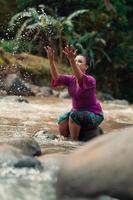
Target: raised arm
[(53, 67), (71, 54)]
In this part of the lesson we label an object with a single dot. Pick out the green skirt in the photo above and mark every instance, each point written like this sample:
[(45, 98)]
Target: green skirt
[(83, 118)]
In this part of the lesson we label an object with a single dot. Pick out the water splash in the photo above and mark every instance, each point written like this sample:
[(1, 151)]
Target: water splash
[(31, 27)]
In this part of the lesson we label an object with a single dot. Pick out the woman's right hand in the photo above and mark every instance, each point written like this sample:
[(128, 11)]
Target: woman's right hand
[(50, 53)]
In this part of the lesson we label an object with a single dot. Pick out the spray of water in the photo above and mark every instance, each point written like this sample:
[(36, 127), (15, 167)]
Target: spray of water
[(34, 29), (30, 25)]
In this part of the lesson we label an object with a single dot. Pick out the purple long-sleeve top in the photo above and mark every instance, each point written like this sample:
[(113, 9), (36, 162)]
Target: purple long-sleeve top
[(83, 93)]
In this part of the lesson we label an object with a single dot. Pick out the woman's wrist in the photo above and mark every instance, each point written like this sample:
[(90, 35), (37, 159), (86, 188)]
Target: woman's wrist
[(72, 62), (51, 61)]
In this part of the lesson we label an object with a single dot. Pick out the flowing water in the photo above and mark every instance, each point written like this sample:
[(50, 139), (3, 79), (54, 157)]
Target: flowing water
[(26, 184), (26, 119)]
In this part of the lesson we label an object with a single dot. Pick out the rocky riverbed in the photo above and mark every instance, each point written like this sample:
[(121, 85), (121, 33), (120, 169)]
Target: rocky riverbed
[(27, 115), (25, 177)]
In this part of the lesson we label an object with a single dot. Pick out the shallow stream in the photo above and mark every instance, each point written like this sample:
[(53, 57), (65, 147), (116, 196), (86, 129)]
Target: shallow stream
[(21, 119)]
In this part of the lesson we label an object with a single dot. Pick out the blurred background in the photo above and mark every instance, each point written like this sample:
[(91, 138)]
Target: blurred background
[(101, 29)]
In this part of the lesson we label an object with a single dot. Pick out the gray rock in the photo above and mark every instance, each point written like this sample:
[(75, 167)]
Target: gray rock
[(64, 94), (14, 85), (2, 93), (14, 157), (46, 91), (45, 135), (86, 135), (27, 145), (28, 162), (55, 93), (101, 167), (22, 100), (9, 155), (105, 96)]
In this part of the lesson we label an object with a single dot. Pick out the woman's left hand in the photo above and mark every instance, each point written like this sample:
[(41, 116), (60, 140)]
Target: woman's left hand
[(70, 52)]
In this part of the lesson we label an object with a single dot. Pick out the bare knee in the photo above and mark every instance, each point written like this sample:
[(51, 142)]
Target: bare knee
[(74, 129), (64, 128), (63, 123), (71, 121)]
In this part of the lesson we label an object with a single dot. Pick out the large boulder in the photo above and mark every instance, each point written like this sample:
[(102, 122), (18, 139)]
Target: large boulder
[(27, 145), (101, 167), (14, 157)]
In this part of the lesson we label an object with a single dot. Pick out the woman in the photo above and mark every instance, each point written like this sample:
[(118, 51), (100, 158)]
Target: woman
[(86, 110)]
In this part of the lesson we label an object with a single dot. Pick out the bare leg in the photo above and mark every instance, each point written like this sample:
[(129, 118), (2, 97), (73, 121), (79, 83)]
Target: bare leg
[(64, 128), (74, 129)]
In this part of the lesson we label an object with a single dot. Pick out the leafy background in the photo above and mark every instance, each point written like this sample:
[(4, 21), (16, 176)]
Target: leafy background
[(105, 36)]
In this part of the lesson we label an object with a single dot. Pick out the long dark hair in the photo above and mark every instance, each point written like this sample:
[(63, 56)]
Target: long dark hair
[(86, 58)]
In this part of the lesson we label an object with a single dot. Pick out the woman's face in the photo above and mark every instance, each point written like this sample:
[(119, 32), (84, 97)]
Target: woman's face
[(81, 63)]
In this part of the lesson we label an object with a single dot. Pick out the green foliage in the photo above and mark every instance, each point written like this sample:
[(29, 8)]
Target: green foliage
[(92, 44), (7, 9), (24, 19), (25, 25), (22, 4), (105, 36), (7, 45)]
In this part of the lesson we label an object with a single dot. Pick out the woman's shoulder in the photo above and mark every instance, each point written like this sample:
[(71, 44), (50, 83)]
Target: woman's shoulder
[(70, 77), (66, 78), (90, 77)]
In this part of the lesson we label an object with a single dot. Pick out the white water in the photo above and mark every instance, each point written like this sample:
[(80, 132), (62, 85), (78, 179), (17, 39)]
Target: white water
[(24, 119)]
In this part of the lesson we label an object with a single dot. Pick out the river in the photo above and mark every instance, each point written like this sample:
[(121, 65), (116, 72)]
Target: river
[(21, 119)]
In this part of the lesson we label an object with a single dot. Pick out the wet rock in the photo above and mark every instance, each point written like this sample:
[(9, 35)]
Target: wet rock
[(28, 162), (45, 135), (55, 93), (41, 91), (12, 156), (9, 155), (86, 135), (45, 91), (22, 100), (64, 94), (105, 96), (14, 85), (101, 167), (3, 93), (27, 145)]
